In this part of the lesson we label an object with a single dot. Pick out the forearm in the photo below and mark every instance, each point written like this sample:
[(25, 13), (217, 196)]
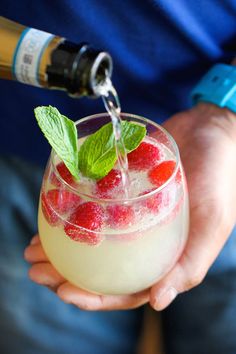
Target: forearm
[(217, 117)]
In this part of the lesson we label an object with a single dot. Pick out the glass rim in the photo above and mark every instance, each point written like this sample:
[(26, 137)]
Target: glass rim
[(124, 200)]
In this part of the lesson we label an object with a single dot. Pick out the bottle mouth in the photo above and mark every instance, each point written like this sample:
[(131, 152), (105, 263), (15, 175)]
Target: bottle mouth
[(101, 70)]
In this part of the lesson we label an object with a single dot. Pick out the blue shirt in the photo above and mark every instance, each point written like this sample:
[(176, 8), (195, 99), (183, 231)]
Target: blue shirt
[(160, 49)]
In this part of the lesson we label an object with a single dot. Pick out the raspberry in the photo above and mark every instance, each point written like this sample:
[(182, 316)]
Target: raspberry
[(171, 216), (62, 200), (178, 177), (86, 218), (56, 202), (106, 185), (65, 175), (155, 202), (120, 215), (48, 212), (144, 156), (159, 174)]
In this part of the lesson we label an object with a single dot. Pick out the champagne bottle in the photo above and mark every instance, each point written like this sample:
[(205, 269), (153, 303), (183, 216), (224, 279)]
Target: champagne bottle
[(42, 59)]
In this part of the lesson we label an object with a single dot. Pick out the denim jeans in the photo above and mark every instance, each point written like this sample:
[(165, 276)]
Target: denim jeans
[(34, 321)]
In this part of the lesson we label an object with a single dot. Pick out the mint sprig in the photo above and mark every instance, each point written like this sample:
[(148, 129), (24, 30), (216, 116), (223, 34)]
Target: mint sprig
[(97, 155), (61, 134)]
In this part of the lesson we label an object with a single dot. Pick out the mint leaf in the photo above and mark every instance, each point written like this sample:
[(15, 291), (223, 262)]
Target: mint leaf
[(61, 134), (97, 155), (132, 134)]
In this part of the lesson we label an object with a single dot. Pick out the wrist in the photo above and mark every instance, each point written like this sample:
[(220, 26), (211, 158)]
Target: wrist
[(217, 117)]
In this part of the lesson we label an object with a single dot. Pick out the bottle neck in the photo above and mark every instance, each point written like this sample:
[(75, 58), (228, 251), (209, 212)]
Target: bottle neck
[(78, 68), (41, 59)]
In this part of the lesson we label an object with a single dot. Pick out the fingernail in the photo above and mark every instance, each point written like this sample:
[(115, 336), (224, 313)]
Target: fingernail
[(26, 251), (34, 240), (164, 298)]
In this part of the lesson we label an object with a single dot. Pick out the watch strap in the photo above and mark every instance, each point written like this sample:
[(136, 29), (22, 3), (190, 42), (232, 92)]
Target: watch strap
[(218, 86)]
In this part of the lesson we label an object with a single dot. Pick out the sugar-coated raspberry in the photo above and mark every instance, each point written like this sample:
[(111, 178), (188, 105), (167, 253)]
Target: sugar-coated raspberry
[(160, 173), (65, 175), (144, 157), (106, 185), (49, 213), (120, 216), (156, 202), (153, 203), (178, 177), (57, 202), (84, 221), (63, 200), (175, 211)]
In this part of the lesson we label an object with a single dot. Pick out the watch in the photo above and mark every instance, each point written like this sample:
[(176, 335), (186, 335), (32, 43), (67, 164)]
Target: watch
[(218, 86)]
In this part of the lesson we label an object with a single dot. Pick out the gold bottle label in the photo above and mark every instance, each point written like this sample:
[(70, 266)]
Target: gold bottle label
[(9, 35), (28, 54), (25, 53)]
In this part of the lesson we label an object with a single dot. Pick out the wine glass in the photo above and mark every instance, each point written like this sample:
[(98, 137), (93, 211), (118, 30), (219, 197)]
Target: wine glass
[(103, 241)]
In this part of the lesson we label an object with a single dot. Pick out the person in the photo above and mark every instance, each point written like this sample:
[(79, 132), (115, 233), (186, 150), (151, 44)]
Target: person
[(160, 50)]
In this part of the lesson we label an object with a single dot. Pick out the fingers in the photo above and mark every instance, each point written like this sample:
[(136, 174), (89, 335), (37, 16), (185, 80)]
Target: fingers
[(93, 302), (41, 272), (206, 238), (45, 274), (183, 277), (34, 252)]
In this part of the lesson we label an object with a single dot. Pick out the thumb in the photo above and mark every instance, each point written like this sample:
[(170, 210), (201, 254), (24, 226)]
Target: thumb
[(207, 236)]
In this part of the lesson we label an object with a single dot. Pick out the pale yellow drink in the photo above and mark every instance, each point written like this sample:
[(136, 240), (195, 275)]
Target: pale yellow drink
[(120, 264)]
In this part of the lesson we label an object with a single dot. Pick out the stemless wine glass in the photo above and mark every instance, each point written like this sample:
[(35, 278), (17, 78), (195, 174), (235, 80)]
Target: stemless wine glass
[(108, 243)]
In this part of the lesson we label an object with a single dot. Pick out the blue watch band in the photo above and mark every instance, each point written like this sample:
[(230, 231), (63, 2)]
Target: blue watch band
[(218, 86)]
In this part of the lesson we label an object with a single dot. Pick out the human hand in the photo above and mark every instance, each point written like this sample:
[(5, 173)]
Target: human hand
[(42, 272), (206, 137)]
